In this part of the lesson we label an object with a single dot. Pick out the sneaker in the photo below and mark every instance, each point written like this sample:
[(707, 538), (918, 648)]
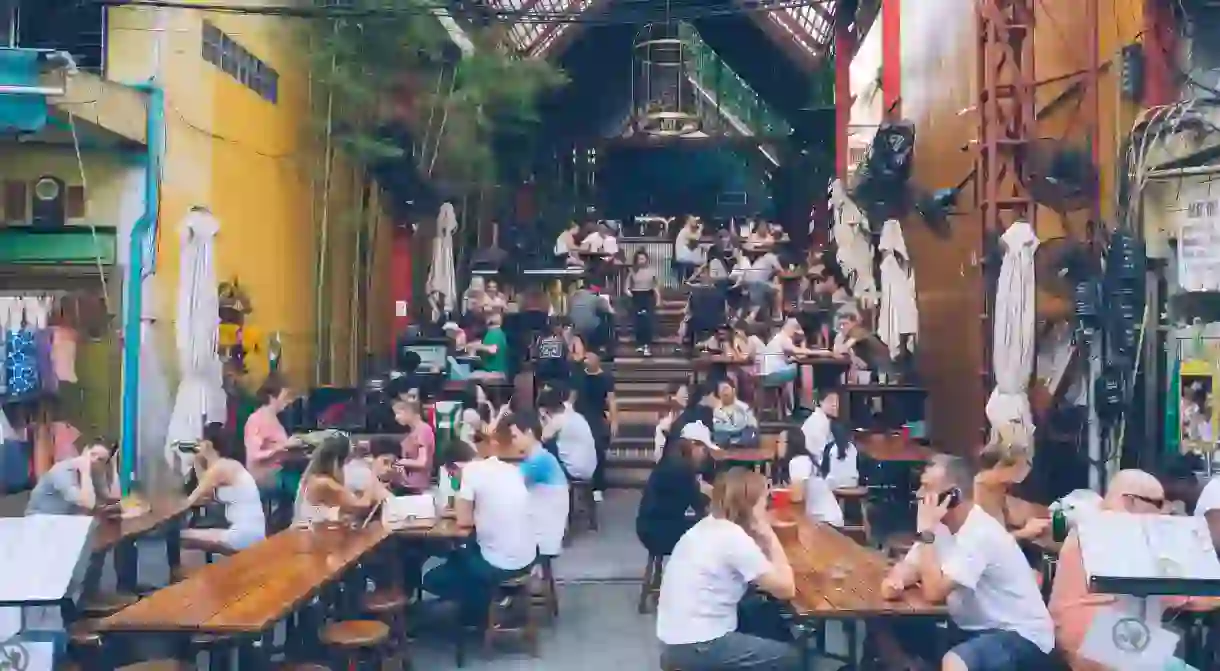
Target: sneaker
[(597, 496), (646, 350), (641, 349)]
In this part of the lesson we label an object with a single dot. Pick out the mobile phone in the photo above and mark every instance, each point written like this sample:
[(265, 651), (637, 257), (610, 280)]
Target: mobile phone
[(953, 497)]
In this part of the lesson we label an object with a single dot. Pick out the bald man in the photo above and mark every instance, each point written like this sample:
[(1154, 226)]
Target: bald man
[(1072, 606)]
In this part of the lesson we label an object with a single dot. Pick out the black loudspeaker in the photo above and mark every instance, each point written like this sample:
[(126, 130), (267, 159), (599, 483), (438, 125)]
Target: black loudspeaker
[(47, 204)]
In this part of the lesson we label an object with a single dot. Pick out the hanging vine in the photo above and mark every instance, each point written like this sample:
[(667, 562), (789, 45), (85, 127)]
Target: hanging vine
[(401, 69)]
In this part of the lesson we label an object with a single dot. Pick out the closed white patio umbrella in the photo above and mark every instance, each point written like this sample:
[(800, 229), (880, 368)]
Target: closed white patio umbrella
[(1013, 331), (200, 395), (899, 314), (853, 244), (441, 275)]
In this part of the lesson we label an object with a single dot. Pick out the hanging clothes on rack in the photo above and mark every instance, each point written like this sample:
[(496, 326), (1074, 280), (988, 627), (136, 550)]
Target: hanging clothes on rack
[(21, 352)]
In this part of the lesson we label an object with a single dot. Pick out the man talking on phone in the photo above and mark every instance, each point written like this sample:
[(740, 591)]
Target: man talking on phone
[(966, 559)]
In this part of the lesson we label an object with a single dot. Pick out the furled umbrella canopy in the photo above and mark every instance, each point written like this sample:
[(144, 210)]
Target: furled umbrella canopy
[(441, 275), (1013, 335)]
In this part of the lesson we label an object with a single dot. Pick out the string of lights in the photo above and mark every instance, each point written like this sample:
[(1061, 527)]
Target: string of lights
[(622, 12)]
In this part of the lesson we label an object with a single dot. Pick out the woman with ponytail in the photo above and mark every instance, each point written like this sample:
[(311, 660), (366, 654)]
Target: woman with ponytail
[(806, 483)]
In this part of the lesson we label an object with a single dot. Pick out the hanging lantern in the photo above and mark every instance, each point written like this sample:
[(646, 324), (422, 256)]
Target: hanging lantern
[(663, 97)]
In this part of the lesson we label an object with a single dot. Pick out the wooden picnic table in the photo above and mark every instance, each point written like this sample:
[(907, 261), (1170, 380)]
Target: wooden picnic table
[(818, 551), (891, 447), (118, 535), (250, 592)]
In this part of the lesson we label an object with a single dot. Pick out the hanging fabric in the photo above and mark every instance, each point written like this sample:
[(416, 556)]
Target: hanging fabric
[(853, 244), (21, 351), (899, 315), (1013, 331), (63, 353)]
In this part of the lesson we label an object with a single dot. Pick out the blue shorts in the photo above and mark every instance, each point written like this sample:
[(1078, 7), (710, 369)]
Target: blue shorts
[(998, 650), (780, 377)]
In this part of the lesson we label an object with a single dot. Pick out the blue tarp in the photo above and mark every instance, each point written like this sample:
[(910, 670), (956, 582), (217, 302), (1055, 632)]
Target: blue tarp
[(21, 113)]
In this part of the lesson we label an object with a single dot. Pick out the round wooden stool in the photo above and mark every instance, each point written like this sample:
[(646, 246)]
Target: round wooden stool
[(390, 606), (544, 596), (581, 504), (356, 644), (105, 605), (509, 613)]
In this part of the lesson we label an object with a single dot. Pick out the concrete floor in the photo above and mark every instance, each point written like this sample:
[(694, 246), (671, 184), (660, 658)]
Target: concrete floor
[(598, 629)]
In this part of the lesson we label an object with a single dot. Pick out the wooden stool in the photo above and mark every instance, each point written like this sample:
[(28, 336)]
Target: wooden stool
[(390, 606), (581, 504), (105, 605), (543, 593), (510, 599), (851, 501), (356, 644), (772, 399), (650, 589), (217, 646)]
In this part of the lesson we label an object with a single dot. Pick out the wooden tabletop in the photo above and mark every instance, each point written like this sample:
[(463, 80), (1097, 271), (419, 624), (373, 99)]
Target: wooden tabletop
[(252, 590), (888, 448), (818, 552), (112, 531), (446, 528), (766, 451), (823, 360)]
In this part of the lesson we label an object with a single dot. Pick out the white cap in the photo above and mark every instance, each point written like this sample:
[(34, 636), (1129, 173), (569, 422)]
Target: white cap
[(698, 432), (450, 326)]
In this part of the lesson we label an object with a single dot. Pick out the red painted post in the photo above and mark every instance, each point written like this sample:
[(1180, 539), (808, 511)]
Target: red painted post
[(891, 58), (845, 49), (1160, 48), (400, 279)]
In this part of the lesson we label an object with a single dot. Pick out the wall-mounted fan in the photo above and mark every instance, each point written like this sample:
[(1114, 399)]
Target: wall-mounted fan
[(1060, 264), (1060, 177)]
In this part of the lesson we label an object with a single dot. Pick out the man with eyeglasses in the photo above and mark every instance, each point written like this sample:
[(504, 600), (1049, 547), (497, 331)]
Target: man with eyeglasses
[(1073, 606)]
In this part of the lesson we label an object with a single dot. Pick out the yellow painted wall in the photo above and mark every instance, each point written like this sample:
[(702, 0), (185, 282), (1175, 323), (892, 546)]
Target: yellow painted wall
[(939, 88), (260, 167)]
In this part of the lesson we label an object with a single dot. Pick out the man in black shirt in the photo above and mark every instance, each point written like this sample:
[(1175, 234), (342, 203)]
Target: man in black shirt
[(551, 356), (596, 402)]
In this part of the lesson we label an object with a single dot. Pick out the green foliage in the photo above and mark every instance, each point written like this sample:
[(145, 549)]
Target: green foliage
[(399, 65)]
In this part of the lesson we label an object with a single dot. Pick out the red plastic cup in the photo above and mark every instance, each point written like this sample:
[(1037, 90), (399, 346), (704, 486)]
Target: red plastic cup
[(780, 499)]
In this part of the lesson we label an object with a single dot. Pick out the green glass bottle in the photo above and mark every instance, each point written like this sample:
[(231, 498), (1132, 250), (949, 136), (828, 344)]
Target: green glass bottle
[(1059, 525)]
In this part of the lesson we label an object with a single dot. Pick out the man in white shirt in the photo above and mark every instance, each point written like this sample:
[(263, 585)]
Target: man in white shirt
[(1208, 507), (966, 558), (494, 500), (567, 434)]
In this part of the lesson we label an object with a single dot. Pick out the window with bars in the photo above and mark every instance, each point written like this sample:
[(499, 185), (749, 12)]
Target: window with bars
[(225, 53)]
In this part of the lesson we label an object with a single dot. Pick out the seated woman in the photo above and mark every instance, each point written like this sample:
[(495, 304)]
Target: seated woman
[(733, 422), (806, 481), (688, 254), (834, 455), (1005, 462), (775, 364), (77, 485), (223, 478), (675, 496), (1073, 605), (708, 574), (370, 462), (566, 245), (324, 495)]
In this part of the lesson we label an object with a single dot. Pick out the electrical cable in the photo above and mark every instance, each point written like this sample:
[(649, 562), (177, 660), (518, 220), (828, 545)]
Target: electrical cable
[(84, 182)]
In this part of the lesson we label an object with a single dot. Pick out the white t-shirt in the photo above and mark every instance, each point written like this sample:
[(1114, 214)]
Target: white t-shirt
[(358, 475), (609, 244), (575, 444), (501, 512), (683, 251), (996, 588), (1209, 498), (820, 502), (843, 472), (706, 576), (592, 243), (772, 358)]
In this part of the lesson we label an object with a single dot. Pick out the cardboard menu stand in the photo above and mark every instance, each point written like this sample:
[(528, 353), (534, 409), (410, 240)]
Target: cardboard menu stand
[(43, 559), (1148, 555)]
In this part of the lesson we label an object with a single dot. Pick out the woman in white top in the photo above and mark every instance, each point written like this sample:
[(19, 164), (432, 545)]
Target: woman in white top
[(323, 495), (687, 251), (225, 479), (806, 482), (566, 244), (707, 575), (834, 455), (678, 397)]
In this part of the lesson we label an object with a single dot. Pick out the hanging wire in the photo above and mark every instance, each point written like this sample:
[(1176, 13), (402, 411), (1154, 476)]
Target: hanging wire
[(84, 182)]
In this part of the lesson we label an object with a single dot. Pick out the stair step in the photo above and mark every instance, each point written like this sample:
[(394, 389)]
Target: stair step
[(652, 362), (626, 336), (627, 478), (634, 387)]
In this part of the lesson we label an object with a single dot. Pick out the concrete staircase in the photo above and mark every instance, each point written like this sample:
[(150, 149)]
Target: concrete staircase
[(641, 385)]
